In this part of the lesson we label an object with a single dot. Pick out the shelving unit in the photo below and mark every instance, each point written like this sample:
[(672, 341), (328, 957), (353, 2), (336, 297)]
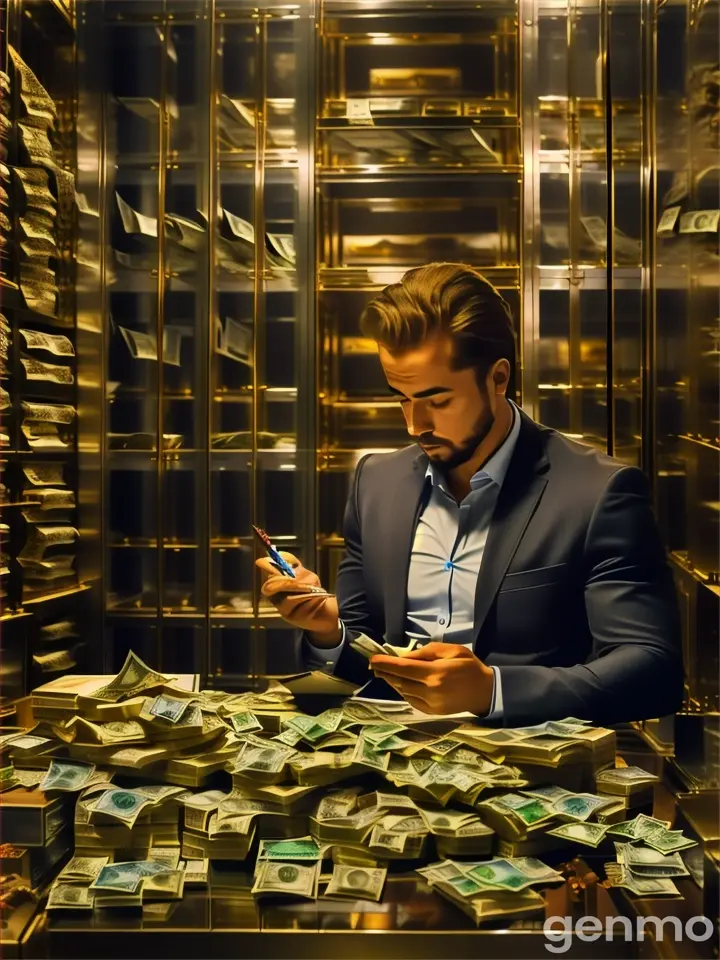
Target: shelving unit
[(46, 616)]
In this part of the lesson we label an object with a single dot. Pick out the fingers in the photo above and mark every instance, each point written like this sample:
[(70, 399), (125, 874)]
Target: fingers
[(403, 667), (438, 651), (408, 688), (277, 584)]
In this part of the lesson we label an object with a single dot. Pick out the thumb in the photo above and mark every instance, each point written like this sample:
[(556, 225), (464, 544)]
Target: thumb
[(437, 651)]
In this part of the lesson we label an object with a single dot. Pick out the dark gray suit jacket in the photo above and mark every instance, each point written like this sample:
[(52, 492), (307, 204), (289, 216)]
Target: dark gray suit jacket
[(575, 602)]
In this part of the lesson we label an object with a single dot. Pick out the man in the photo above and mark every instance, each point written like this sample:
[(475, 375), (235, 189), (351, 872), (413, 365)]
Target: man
[(529, 564)]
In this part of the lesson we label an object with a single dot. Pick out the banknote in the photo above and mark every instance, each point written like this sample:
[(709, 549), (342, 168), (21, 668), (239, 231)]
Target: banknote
[(645, 861), (589, 834), (133, 677), (499, 873), (67, 775), (365, 754), (362, 883), (124, 805), (384, 839), (625, 776), (168, 708), (302, 848), (578, 806), (286, 878), (82, 868), (668, 841), (69, 896), (246, 722), (164, 886)]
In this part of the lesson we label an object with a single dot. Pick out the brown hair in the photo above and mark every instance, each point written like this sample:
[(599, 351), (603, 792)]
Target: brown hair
[(445, 298)]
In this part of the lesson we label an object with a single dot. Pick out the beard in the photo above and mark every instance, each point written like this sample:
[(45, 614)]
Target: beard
[(449, 455)]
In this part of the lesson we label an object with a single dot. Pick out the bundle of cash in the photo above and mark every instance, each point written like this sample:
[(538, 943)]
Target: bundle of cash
[(551, 744), (492, 888), (644, 871), (619, 876), (625, 781), (286, 879), (356, 883)]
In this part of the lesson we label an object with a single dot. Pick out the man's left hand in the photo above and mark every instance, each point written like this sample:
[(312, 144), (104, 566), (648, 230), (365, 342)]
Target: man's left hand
[(439, 678)]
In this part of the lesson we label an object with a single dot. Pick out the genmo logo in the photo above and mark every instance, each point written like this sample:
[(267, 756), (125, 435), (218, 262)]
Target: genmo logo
[(559, 931)]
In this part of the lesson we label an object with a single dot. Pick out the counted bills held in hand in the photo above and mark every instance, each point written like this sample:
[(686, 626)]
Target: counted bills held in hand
[(370, 648)]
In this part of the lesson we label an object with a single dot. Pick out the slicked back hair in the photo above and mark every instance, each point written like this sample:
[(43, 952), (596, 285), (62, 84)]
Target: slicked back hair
[(450, 299)]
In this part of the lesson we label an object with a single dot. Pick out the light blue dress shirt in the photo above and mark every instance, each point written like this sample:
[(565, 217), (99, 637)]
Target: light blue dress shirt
[(445, 561)]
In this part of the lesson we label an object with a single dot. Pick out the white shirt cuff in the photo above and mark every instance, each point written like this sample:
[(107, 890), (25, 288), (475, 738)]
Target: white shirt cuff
[(496, 704)]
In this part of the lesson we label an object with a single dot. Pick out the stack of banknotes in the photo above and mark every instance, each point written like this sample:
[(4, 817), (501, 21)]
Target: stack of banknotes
[(168, 780)]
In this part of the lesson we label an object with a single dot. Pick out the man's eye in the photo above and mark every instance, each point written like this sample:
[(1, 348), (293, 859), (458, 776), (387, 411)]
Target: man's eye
[(439, 404)]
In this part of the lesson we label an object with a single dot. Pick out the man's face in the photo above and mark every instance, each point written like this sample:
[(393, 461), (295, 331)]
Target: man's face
[(446, 412)]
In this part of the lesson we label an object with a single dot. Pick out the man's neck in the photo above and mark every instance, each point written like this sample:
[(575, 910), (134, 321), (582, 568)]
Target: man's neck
[(459, 478)]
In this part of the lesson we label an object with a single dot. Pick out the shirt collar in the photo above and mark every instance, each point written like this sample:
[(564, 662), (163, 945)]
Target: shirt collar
[(496, 467)]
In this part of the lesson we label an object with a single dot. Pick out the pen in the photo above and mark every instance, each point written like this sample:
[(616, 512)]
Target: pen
[(282, 565)]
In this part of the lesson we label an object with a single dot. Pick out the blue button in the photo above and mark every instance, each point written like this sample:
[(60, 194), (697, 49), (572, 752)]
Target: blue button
[(449, 565)]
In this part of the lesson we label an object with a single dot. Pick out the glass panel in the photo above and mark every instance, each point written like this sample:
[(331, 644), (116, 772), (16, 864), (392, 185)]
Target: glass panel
[(419, 160), (136, 68), (185, 315)]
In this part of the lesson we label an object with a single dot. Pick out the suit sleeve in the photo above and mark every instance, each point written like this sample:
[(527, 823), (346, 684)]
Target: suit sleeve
[(352, 594), (635, 670)]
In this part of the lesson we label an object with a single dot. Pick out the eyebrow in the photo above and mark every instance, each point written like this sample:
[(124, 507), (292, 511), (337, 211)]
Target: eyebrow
[(430, 392)]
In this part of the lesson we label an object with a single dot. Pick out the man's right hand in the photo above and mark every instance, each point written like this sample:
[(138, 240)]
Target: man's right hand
[(302, 601)]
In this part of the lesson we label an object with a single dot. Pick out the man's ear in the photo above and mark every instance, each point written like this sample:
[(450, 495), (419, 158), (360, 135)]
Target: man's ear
[(500, 375)]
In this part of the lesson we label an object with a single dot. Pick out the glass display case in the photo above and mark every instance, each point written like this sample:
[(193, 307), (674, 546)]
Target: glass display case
[(208, 338)]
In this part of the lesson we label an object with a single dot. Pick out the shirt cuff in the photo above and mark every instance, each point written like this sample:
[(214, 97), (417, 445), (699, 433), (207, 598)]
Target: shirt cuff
[(323, 659), (496, 704)]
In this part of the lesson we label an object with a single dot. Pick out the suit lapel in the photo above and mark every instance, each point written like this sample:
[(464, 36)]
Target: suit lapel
[(520, 494), (403, 511)]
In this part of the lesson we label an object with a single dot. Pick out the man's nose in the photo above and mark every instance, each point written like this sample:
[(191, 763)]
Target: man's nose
[(418, 421)]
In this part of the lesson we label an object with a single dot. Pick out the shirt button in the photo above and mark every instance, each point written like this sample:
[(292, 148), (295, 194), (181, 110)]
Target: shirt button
[(441, 621), (448, 565)]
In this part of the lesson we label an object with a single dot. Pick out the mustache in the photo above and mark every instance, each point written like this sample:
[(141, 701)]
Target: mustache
[(427, 439)]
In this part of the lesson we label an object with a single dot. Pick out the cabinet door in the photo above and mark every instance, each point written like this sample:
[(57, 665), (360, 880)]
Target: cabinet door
[(262, 355)]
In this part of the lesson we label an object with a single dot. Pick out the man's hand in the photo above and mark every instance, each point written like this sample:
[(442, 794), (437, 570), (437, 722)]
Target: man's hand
[(302, 601), (439, 678)]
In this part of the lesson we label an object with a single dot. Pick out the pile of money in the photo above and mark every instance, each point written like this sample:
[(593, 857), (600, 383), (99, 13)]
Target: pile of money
[(493, 887), (555, 743), (89, 882), (112, 819), (172, 778)]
